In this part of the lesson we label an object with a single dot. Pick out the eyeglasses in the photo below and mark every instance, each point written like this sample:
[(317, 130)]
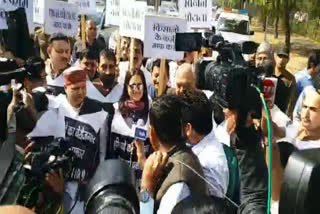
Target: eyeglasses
[(136, 86)]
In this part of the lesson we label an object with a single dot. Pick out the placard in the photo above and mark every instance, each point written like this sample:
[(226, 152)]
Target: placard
[(112, 12), (132, 19), (10, 5), (160, 36), (62, 17), (3, 19), (38, 11), (85, 6), (198, 13)]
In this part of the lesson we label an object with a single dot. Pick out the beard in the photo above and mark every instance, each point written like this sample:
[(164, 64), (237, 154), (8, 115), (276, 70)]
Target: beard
[(107, 80)]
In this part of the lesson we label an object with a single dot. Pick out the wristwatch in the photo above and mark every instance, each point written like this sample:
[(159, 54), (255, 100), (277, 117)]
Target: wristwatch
[(144, 196)]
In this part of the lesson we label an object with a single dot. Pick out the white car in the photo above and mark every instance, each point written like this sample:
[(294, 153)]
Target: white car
[(234, 27)]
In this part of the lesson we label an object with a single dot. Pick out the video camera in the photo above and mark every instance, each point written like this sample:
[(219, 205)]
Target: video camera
[(56, 157), (229, 76)]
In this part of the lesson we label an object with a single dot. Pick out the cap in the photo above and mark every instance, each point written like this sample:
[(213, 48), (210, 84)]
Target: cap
[(74, 74), (264, 47), (283, 51)]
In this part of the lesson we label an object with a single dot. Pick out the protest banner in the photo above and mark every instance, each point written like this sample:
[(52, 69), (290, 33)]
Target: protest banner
[(132, 19), (38, 11), (10, 5), (62, 17), (85, 6), (112, 12), (198, 13), (160, 36), (3, 19)]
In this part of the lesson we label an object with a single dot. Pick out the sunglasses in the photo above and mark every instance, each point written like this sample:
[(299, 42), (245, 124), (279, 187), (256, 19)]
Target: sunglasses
[(136, 86)]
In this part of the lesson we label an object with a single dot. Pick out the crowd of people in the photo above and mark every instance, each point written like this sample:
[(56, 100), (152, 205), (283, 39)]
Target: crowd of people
[(190, 159)]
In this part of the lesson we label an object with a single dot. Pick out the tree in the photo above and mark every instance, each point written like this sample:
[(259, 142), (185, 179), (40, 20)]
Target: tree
[(276, 22)]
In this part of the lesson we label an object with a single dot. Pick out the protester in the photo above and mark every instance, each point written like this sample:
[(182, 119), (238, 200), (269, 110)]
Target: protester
[(89, 61), (165, 185), (132, 108), (153, 89), (299, 135), (124, 48), (200, 134), (185, 78), (315, 85), (59, 52), (94, 42), (105, 88), (81, 123), (303, 78), (282, 59), (41, 42), (137, 63)]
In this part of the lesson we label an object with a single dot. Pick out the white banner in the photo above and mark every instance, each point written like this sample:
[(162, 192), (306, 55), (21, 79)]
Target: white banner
[(61, 17), (132, 19), (198, 13), (112, 12), (38, 11), (3, 19), (85, 6), (10, 5), (160, 36)]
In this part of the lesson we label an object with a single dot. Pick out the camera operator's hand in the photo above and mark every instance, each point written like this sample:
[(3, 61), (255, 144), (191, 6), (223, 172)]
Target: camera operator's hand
[(20, 62), (139, 145), (56, 182), (152, 170)]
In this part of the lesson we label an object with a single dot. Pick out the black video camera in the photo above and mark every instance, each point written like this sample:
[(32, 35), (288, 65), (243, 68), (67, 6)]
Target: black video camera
[(230, 77), (56, 157)]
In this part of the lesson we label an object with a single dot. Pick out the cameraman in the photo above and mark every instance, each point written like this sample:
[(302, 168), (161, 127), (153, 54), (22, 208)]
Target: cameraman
[(252, 167), (25, 107)]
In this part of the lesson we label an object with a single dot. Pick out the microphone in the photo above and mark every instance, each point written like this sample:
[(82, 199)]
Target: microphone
[(140, 132)]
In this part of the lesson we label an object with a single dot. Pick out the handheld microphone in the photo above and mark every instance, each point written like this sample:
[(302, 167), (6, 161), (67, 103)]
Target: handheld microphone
[(140, 132)]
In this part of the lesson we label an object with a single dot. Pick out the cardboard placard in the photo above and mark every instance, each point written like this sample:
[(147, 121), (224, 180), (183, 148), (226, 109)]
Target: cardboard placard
[(10, 5), (132, 19), (61, 17), (38, 11), (112, 12), (85, 6), (3, 19), (198, 13), (160, 36)]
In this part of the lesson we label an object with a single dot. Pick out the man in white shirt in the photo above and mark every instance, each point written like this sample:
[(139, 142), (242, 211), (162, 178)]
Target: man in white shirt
[(137, 63), (164, 187), (82, 124), (105, 88), (59, 51), (199, 131), (304, 134)]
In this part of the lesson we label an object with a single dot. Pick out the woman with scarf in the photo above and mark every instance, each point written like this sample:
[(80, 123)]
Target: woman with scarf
[(130, 111)]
